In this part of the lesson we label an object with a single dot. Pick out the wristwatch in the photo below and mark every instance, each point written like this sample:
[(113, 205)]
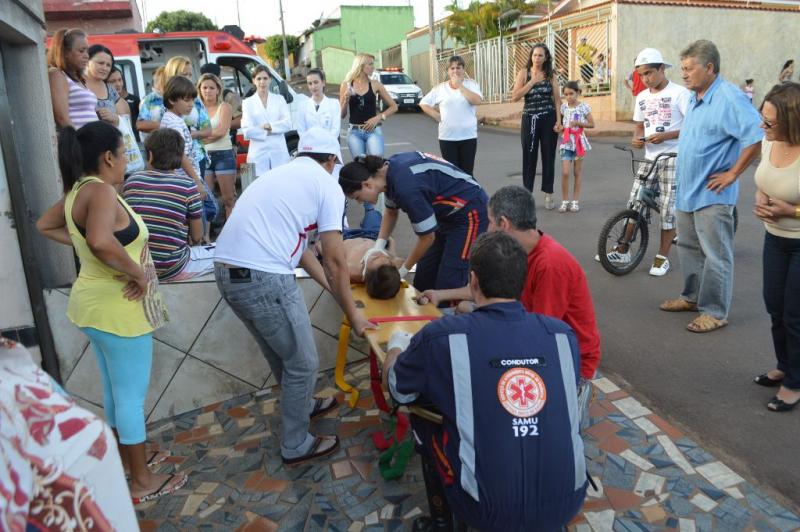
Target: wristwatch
[(383, 117)]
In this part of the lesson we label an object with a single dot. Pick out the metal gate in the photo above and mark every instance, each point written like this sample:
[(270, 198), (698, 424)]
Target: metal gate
[(579, 45)]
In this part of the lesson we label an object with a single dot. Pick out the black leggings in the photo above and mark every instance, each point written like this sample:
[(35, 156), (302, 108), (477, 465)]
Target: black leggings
[(460, 153), (535, 132)]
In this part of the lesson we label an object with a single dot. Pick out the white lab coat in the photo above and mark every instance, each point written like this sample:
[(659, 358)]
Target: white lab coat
[(328, 116), (267, 150)]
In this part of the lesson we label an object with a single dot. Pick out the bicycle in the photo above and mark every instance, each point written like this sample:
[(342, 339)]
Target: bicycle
[(629, 228)]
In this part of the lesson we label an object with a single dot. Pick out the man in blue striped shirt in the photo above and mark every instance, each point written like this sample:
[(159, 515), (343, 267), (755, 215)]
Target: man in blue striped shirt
[(719, 139)]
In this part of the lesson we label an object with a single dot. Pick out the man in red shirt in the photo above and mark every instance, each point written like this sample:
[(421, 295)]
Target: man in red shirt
[(555, 285)]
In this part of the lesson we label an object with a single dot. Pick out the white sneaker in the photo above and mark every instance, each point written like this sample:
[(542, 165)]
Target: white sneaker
[(564, 206), (574, 207), (660, 266), (616, 256), (549, 202)]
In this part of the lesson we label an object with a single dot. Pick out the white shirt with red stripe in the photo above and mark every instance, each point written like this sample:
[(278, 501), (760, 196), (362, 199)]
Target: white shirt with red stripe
[(270, 227)]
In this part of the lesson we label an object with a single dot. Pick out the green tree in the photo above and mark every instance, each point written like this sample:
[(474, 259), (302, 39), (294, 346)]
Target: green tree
[(482, 20), (181, 21), (273, 46)]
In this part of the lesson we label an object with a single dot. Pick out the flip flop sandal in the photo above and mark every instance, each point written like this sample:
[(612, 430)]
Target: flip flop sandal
[(779, 405), (678, 305), (315, 451), (155, 458), (705, 323), (162, 490), (765, 380), (322, 407)]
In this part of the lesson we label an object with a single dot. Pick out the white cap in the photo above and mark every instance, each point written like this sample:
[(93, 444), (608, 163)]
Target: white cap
[(650, 56), (318, 140)]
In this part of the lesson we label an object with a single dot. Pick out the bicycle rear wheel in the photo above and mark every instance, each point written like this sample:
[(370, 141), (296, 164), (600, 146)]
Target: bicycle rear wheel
[(625, 229)]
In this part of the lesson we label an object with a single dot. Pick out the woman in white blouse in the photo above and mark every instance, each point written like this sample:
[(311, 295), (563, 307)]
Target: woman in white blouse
[(319, 110), (265, 118), (455, 99)]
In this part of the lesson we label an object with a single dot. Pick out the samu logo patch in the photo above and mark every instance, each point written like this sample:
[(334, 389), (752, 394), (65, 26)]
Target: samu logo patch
[(522, 393)]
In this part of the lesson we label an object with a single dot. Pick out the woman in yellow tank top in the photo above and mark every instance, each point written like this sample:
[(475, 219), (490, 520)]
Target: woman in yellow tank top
[(115, 300)]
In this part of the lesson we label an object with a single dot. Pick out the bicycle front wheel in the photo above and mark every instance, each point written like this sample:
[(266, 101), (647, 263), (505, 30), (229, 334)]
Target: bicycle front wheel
[(623, 242)]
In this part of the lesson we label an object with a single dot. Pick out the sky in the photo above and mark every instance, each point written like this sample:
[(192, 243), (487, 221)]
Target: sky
[(261, 17)]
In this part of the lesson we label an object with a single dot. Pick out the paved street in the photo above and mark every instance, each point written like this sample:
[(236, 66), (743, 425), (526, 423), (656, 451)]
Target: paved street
[(702, 383)]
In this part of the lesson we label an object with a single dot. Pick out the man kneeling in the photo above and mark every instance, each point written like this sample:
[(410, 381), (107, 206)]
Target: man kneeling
[(508, 455)]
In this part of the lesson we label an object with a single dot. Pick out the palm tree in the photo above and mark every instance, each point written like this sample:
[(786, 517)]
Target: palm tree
[(483, 20)]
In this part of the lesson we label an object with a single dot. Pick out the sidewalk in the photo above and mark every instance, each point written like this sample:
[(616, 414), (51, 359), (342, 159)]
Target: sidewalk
[(649, 475)]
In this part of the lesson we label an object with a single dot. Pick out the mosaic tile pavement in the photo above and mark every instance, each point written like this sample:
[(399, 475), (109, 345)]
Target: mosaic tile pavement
[(649, 475)]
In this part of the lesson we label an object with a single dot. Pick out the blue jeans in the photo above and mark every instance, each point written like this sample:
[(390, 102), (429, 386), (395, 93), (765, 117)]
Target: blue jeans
[(124, 364), (370, 224), (782, 299), (210, 207), (363, 142), (272, 308), (706, 254)]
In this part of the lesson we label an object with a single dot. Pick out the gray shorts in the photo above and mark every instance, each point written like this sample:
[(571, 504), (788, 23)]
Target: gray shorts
[(665, 175)]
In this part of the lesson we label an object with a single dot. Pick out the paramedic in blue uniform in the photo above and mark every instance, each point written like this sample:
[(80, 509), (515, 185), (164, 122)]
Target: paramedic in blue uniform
[(446, 207), (508, 455)]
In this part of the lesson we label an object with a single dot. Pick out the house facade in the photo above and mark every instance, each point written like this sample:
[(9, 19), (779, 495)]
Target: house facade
[(108, 16), (619, 29)]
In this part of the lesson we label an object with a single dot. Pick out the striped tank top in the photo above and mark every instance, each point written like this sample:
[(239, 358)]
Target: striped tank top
[(82, 104), (539, 100)]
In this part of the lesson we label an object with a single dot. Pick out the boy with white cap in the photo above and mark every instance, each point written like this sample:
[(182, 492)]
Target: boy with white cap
[(658, 113), (262, 243)]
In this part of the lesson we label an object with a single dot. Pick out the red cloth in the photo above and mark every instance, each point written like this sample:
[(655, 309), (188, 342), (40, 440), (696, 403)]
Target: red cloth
[(556, 286), (580, 150), (637, 85)]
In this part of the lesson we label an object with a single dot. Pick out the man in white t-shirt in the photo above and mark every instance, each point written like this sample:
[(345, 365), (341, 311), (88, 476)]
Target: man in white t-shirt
[(658, 113), (457, 117), (262, 243)]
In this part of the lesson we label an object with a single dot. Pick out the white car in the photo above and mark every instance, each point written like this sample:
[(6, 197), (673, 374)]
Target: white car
[(401, 88)]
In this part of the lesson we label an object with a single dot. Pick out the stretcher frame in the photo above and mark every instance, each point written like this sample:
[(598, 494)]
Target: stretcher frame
[(402, 313)]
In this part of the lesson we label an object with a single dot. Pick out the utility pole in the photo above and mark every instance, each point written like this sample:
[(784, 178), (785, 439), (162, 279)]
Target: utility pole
[(238, 16), (432, 46), (287, 74)]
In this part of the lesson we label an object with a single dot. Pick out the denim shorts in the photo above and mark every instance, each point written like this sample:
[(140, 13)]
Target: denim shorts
[(222, 162), (569, 155)]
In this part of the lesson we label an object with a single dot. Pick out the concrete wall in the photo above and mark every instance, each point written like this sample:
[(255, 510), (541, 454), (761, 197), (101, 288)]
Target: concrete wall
[(375, 27), (15, 312), (750, 42), (30, 168), (336, 62)]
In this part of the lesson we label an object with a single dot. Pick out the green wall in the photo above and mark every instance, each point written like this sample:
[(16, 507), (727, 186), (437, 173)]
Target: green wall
[(330, 36), (419, 43), (337, 63), (367, 28)]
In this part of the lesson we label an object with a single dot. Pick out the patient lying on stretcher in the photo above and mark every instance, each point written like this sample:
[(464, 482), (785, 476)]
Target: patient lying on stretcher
[(377, 269)]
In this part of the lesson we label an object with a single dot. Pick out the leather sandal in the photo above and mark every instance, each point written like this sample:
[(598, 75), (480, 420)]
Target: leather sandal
[(779, 405), (318, 450), (705, 323), (765, 380), (678, 305)]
